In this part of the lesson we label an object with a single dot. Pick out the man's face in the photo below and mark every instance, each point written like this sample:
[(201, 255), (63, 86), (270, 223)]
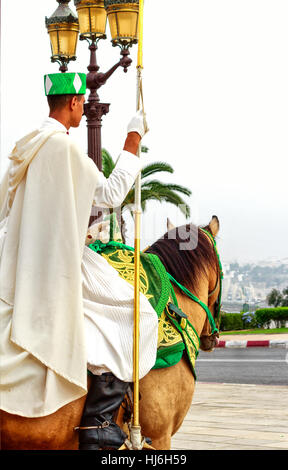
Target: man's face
[(77, 107)]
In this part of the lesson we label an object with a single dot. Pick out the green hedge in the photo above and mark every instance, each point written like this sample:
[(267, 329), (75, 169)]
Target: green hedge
[(264, 316), (261, 319), (238, 321), (231, 321)]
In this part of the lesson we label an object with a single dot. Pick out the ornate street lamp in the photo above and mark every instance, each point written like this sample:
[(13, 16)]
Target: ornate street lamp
[(63, 29)]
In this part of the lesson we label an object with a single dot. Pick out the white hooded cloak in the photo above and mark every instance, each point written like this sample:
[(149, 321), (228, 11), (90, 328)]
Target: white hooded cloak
[(46, 200)]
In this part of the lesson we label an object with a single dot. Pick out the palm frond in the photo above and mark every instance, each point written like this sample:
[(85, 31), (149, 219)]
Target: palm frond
[(153, 189), (156, 190), (156, 167), (167, 195), (171, 186), (160, 195), (129, 199), (146, 194), (108, 163)]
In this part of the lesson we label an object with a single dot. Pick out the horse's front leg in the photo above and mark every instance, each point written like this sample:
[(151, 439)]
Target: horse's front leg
[(165, 398)]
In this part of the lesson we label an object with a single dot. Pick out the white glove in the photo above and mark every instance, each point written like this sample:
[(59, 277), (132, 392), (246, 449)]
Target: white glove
[(98, 231), (138, 124)]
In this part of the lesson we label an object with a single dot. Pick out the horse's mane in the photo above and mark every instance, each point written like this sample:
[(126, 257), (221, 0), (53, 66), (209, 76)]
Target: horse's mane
[(186, 265)]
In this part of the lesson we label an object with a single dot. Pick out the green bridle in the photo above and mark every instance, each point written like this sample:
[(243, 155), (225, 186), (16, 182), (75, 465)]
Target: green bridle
[(189, 294)]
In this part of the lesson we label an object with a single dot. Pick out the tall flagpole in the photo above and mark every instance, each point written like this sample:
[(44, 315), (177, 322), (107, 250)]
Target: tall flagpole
[(136, 430), (137, 442)]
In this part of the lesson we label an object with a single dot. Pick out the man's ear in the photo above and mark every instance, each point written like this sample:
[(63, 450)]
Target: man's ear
[(73, 102)]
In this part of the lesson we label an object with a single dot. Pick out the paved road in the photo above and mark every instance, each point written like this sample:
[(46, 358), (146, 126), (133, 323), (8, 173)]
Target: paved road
[(235, 417), (265, 366), (230, 415)]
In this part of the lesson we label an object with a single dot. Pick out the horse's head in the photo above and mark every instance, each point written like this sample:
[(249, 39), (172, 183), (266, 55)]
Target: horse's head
[(209, 340), (190, 256)]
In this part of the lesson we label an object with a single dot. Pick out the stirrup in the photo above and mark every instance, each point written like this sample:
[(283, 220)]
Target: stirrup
[(103, 425)]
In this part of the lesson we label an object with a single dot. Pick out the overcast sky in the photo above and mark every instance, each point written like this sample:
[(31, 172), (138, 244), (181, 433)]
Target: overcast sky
[(216, 95)]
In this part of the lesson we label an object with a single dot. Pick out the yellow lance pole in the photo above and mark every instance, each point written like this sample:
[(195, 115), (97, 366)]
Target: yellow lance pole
[(137, 442), (137, 228)]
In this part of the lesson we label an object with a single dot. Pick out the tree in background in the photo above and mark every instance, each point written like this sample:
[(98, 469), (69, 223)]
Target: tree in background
[(277, 299), (285, 297), (151, 189)]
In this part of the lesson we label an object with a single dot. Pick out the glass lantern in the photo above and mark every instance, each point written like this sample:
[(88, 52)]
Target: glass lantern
[(92, 18), (63, 29), (123, 21)]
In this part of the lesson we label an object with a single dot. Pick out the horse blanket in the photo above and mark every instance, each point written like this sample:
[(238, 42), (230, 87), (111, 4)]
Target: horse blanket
[(175, 333)]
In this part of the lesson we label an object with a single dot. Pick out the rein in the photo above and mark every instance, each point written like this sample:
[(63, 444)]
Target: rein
[(198, 301), (220, 278), (189, 294)]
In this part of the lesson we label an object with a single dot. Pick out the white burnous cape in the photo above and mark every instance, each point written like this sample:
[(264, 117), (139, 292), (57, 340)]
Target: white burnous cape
[(46, 200)]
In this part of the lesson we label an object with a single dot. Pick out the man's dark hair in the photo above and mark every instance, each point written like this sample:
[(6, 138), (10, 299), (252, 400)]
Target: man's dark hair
[(59, 101)]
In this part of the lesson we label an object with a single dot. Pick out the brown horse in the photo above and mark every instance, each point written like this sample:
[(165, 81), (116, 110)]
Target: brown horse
[(165, 394)]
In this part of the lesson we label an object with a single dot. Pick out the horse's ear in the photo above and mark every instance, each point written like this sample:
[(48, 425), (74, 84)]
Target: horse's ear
[(214, 225), (170, 226)]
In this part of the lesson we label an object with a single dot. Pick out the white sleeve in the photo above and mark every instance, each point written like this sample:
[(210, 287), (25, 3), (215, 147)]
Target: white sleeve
[(111, 192)]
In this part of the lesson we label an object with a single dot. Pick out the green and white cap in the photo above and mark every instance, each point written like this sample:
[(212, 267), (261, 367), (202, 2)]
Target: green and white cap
[(65, 84)]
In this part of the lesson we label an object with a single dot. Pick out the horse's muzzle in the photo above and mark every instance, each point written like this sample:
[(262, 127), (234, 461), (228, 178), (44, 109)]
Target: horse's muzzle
[(209, 342)]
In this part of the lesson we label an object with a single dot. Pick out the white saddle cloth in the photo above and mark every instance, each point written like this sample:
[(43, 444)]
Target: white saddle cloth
[(108, 311)]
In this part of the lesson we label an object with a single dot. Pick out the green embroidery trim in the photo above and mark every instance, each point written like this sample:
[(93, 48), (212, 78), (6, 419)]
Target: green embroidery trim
[(165, 291), (190, 338)]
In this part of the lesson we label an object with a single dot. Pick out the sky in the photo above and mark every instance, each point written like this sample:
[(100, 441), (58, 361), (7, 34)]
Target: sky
[(215, 84)]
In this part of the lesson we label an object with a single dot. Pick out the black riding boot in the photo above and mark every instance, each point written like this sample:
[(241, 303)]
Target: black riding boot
[(104, 397)]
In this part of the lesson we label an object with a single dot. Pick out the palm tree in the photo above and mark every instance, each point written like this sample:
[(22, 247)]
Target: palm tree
[(150, 189)]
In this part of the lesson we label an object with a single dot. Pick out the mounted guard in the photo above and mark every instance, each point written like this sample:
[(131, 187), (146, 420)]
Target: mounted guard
[(46, 283)]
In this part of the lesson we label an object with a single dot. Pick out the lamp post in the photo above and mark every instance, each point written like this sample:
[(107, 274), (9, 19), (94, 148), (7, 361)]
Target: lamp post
[(63, 28), (91, 22)]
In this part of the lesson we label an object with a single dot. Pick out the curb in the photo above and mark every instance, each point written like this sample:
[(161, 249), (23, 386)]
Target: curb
[(273, 343)]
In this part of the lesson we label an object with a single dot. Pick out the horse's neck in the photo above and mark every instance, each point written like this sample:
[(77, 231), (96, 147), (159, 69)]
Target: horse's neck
[(195, 313)]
